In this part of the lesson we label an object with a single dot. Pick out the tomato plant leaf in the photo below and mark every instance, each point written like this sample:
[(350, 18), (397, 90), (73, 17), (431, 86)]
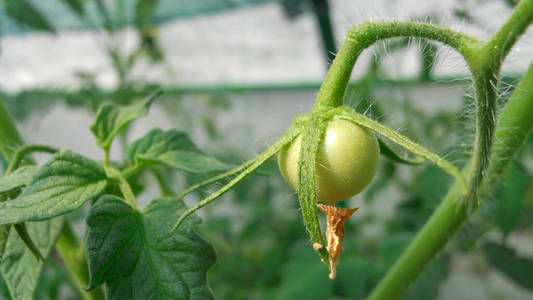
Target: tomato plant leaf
[(138, 256), (18, 179), (111, 119), (173, 149), (19, 268), (61, 185), (505, 260), (23, 12)]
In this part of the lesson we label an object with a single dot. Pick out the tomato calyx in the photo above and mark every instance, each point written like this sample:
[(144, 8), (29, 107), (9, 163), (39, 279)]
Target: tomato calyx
[(335, 218)]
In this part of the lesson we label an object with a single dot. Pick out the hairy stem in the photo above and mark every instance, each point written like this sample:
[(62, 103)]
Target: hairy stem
[(21, 152), (513, 127), (214, 179), (73, 256), (363, 36), (248, 169), (127, 192), (485, 62)]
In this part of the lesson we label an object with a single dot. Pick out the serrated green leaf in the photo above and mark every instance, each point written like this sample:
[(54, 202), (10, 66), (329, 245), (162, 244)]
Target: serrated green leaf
[(111, 119), (18, 179), (173, 149), (76, 6), (139, 257), (510, 197), (393, 155), (19, 268), (60, 186), (505, 260), (23, 12)]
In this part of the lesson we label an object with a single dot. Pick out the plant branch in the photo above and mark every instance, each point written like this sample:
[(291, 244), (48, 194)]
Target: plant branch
[(248, 168), (513, 127), (485, 62), (363, 36), (21, 152), (127, 192)]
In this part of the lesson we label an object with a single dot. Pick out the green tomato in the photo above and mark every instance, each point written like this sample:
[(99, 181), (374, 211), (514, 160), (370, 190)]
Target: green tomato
[(347, 160)]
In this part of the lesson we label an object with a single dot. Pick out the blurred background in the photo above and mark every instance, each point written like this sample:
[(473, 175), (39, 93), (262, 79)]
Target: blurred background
[(235, 73)]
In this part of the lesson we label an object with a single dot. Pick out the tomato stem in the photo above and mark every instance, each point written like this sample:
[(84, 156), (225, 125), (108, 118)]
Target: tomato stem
[(513, 127), (362, 36), (247, 169)]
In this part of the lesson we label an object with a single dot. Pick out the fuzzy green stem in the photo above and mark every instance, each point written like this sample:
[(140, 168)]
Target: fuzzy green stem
[(363, 36), (21, 152), (127, 192), (248, 168), (513, 127), (73, 256), (214, 179), (485, 62)]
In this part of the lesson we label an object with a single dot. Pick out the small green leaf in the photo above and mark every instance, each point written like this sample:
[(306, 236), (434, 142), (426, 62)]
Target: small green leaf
[(139, 257), (18, 179), (173, 149), (111, 119), (23, 12), (393, 155), (76, 6), (60, 186), (506, 260), (510, 197), (19, 268)]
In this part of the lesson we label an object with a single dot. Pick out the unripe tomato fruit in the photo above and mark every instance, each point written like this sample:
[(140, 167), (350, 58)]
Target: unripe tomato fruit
[(347, 161)]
